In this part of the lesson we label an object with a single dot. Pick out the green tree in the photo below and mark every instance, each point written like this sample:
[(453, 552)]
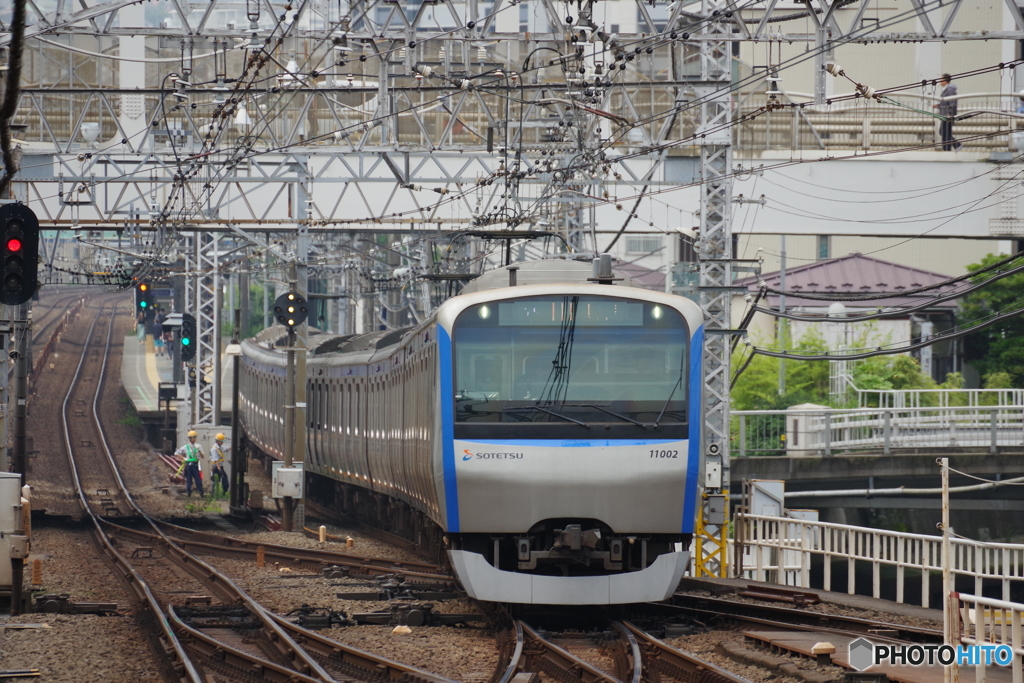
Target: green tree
[(757, 388), (995, 351)]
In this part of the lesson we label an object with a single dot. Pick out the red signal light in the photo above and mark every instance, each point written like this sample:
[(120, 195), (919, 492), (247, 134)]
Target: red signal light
[(14, 244)]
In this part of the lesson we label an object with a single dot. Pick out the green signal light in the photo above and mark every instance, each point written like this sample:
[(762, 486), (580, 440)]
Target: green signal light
[(143, 304), (185, 341)]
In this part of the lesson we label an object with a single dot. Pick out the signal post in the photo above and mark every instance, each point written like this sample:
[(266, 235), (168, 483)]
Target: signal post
[(19, 251), (290, 310)]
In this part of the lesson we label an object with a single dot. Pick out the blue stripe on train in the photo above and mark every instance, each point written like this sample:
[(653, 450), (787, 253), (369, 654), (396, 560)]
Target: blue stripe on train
[(451, 484), (696, 419), (573, 443)]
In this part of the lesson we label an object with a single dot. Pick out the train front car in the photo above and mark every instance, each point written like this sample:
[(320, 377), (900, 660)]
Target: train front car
[(569, 440)]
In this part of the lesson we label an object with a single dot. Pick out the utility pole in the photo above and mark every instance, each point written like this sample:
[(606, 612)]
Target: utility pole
[(783, 323), (950, 618), (294, 406), (289, 427), (236, 496), (21, 391)]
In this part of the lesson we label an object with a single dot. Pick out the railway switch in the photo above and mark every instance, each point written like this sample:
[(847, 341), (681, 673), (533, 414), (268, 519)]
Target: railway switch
[(319, 617), (53, 603), (421, 614)]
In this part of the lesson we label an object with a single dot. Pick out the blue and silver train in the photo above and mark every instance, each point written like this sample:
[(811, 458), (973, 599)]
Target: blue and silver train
[(540, 432)]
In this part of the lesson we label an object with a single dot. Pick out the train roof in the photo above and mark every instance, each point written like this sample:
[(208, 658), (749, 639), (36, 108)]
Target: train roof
[(320, 343), (546, 272)]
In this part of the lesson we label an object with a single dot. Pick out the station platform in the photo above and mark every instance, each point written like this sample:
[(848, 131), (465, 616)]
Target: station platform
[(142, 372)]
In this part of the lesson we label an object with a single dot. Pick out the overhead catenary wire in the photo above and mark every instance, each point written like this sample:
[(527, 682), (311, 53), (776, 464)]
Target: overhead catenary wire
[(641, 195), (441, 203), (890, 312), (396, 48), (893, 295), (892, 349)]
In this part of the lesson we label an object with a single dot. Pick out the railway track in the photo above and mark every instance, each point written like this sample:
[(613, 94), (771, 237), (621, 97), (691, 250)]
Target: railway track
[(310, 558), (47, 315), (622, 654), (95, 475), (207, 628), (791, 632), (711, 609)]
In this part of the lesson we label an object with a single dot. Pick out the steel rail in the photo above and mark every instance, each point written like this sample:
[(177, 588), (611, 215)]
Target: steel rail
[(708, 606), (237, 659), (230, 593), (517, 654), (51, 329), (306, 640), (661, 659), (172, 645), (425, 570), (280, 632), (542, 656), (198, 569), (633, 653), (349, 658)]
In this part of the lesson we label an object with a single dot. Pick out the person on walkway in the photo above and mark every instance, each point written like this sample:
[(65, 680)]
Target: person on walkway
[(947, 110), (140, 327), (158, 342), (168, 340), (191, 452), (217, 463)]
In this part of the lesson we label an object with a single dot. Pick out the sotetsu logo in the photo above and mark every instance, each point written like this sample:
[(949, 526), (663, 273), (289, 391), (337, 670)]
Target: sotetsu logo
[(469, 455)]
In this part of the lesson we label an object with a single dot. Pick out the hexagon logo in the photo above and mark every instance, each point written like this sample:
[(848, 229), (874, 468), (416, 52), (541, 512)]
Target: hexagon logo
[(862, 654)]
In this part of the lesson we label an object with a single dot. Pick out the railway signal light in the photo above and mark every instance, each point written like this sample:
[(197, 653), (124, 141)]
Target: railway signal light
[(290, 309), (142, 293), (19, 251), (188, 336)]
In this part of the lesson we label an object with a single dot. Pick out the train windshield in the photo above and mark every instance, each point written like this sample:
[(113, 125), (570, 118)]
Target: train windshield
[(574, 361)]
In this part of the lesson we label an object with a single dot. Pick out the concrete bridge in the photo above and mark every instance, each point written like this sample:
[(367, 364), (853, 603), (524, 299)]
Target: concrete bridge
[(864, 489)]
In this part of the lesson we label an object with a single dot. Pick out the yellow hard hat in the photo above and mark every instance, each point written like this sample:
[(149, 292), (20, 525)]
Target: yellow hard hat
[(219, 437), (192, 433)]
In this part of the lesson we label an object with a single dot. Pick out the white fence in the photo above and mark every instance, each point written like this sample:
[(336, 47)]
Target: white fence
[(941, 398), (983, 621), (781, 550), (824, 431)]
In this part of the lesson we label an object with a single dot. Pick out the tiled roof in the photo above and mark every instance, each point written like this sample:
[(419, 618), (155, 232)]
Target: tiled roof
[(643, 277)]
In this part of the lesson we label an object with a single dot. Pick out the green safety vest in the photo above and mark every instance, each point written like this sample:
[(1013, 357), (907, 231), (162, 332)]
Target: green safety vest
[(191, 453)]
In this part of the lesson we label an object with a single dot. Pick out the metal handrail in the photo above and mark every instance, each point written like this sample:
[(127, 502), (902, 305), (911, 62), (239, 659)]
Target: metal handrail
[(780, 550), (825, 431)]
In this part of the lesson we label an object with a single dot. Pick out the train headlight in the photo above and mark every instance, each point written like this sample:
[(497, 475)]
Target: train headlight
[(484, 312), (657, 312)]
